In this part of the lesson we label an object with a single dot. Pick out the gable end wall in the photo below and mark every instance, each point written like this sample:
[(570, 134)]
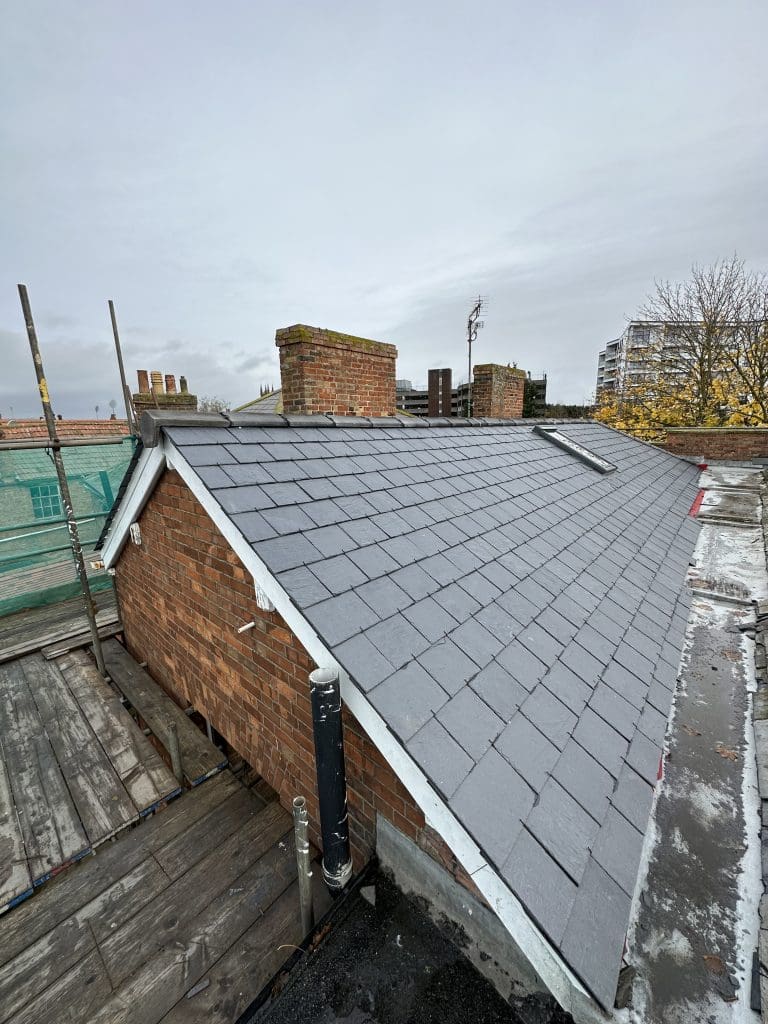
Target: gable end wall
[(182, 594)]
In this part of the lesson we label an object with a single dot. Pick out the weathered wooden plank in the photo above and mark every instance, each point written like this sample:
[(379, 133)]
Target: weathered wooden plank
[(127, 947), (66, 895), (50, 826), (101, 799), (199, 757), (138, 765), (57, 951), (235, 980), (73, 999), (64, 646), (15, 879), (181, 853), (44, 638), (164, 977), (39, 622)]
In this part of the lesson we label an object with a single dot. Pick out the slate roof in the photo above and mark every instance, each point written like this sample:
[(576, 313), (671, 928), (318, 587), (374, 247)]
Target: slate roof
[(269, 403), (515, 616)]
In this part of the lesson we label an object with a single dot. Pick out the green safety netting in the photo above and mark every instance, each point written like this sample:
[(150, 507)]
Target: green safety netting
[(36, 563)]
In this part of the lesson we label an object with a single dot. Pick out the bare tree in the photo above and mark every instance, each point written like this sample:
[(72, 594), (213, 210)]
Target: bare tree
[(747, 356), (698, 320)]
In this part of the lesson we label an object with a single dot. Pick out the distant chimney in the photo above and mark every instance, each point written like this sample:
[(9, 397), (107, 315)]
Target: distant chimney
[(152, 394), (498, 391), (324, 371), (439, 393)]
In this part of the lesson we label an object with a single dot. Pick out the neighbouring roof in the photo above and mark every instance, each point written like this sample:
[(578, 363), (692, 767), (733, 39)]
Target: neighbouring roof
[(22, 465), (270, 403), (514, 615)]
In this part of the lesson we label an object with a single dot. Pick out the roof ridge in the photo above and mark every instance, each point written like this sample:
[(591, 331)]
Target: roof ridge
[(153, 421)]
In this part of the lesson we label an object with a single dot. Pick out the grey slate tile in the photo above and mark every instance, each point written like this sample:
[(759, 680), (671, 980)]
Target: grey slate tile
[(567, 687), (384, 597), (518, 606), (542, 886), (457, 602), (540, 643), (282, 553), (601, 740), (499, 622), (253, 526), (401, 549), (587, 782), (340, 618), (338, 574), (363, 532), (430, 618), (523, 666), (407, 700), (415, 582), (242, 499), (448, 665), (290, 519), (633, 797), (440, 756), (397, 640), (303, 587), (593, 942), (366, 665), (500, 691), (528, 751), (595, 643), (644, 756), (617, 849), (373, 562), (550, 716), (471, 722), (213, 476), (476, 642), (492, 801), (563, 828), (614, 709), (582, 663), (325, 512)]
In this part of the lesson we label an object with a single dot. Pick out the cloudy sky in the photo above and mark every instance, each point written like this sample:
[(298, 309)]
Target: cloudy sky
[(223, 169)]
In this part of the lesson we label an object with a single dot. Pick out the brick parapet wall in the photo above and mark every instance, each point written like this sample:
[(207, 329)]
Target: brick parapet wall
[(324, 371), (498, 391), (183, 592), (22, 430), (737, 443)]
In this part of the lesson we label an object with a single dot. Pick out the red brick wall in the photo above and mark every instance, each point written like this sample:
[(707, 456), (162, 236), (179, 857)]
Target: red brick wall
[(498, 391), (324, 371), (183, 592), (21, 430), (738, 443)]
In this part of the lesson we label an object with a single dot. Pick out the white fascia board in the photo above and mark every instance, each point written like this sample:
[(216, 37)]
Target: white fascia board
[(151, 464), (545, 960)]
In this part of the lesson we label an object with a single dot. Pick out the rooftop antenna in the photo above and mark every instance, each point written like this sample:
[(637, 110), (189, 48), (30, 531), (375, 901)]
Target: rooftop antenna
[(474, 323)]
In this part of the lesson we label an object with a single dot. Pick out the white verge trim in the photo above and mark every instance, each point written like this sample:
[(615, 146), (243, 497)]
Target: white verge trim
[(546, 961), (145, 476)]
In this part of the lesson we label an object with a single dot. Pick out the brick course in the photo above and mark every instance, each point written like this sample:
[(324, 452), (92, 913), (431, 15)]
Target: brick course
[(183, 592), (323, 371), (22, 430), (498, 391), (737, 443)]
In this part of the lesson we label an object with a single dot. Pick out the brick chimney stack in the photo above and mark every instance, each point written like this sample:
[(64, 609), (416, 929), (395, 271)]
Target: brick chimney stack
[(326, 372), (152, 394), (497, 391)]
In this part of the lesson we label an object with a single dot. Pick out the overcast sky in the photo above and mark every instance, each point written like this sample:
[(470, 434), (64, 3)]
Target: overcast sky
[(224, 169)]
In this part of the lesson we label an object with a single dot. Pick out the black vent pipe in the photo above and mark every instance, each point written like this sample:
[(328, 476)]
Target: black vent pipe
[(331, 777)]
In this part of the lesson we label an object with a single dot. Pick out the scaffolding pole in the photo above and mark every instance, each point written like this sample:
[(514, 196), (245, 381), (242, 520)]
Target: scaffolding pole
[(66, 499)]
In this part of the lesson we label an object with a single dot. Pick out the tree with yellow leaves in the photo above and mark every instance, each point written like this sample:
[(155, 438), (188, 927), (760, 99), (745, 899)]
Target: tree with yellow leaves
[(705, 360)]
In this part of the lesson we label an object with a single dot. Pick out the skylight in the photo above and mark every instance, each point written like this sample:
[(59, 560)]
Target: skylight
[(569, 445)]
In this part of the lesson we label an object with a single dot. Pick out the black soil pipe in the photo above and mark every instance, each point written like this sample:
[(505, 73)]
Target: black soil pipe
[(331, 777)]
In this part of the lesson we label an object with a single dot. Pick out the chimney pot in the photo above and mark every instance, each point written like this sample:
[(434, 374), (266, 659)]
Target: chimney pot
[(157, 382), (183, 385), (143, 382), (170, 384)]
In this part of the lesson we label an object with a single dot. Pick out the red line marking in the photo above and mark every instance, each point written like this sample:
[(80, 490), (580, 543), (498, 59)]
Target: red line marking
[(694, 509), (660, 776)]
